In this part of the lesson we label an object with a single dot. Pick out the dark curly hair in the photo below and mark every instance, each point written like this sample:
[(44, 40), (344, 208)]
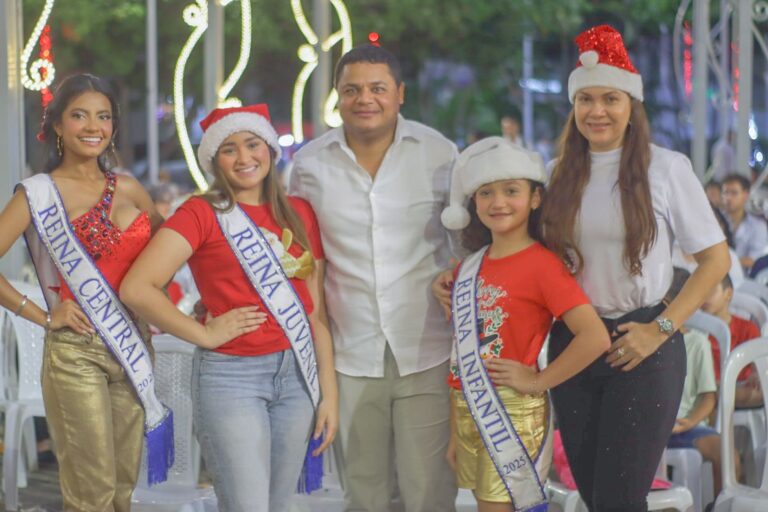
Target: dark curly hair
[(69, 89)]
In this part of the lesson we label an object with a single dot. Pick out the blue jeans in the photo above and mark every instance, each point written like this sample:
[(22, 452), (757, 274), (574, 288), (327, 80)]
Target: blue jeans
[(253, 417)]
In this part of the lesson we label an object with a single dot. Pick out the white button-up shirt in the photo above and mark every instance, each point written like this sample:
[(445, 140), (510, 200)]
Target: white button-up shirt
[(384, 244)]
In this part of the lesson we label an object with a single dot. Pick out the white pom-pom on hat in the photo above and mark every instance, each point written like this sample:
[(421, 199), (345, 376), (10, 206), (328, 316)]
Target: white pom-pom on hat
[(589, 58), (455, 217)]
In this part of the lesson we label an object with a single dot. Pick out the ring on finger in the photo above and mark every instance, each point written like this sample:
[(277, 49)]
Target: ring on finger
[(621, 351)]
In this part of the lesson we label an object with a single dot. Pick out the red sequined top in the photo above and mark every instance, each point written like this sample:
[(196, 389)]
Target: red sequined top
[(113, 251)]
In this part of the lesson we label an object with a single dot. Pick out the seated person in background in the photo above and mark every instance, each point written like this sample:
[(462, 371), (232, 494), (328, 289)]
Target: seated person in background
[(714, 191), (717, 304), (750, 232), (687, 261), (699, 395)]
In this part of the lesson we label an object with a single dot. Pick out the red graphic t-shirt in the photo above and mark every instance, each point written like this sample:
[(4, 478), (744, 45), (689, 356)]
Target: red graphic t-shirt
[(518, 296)]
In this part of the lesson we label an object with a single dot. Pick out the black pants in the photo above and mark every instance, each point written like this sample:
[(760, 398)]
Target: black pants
[(615, 424)]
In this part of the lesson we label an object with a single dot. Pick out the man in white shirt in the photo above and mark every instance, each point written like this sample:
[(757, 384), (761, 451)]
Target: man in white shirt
[(750, 233), (378, 185)]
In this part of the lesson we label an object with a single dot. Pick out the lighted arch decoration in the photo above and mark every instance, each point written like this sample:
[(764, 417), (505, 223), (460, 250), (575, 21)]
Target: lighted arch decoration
[(42, 71), (307, 53), (196, 16)]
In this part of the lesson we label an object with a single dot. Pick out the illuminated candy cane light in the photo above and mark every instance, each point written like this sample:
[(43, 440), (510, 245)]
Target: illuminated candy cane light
[(42, 71), (196, 16), (308, 54)]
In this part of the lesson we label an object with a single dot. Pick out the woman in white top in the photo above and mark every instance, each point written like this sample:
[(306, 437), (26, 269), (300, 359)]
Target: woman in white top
[(615, 205)]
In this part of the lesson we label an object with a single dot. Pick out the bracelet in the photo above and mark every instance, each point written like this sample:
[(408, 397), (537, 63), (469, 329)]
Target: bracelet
[(24, 301), (47, 322)]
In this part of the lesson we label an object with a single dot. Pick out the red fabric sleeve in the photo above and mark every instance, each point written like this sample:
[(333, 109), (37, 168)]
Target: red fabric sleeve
[(193, 220), (559, 288)]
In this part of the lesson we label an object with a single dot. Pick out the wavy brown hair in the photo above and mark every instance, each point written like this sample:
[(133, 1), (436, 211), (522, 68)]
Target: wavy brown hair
[(476, 235), (571, 175), (222, 198)]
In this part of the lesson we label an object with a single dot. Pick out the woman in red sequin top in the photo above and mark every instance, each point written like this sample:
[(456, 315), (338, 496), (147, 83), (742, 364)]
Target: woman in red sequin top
[(93, 413)]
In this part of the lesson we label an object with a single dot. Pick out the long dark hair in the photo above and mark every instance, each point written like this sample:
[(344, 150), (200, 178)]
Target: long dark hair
[(69, 89), (222, 198), (476, 235), (571, 175)]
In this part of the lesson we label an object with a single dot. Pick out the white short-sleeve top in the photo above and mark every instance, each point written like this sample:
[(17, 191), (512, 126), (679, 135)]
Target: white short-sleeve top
[(682, 213)]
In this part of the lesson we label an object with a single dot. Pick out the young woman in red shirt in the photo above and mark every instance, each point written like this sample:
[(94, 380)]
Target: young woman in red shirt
[(248, 246)]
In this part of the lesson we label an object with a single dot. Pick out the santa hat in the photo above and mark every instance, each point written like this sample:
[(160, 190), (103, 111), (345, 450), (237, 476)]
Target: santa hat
[(488, 160), (604, 62), (223, 122)]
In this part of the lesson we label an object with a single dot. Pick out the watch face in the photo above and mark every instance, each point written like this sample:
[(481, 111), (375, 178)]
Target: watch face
[(665, 325)]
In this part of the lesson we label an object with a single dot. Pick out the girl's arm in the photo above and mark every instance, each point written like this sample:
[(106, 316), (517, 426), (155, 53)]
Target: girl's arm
[(640, 340), (589, 341), (328, 410), (15, 219), (142, 291), (705, 404)]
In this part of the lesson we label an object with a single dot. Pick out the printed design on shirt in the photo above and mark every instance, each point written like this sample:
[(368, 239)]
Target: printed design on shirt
[(299, 268), (491, 318)]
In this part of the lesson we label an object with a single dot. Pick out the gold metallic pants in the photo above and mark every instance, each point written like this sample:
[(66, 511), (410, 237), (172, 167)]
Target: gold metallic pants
[(96, 422), (474, 468)]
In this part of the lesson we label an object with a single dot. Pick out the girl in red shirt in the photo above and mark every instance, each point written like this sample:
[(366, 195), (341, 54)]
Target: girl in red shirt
[(254, 395), (517, 287)]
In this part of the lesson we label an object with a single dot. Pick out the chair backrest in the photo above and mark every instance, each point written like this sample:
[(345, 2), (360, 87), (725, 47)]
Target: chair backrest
[(710, 324), (751, 308), (29, 346), (173, 384), (751, 352), (752, 287)]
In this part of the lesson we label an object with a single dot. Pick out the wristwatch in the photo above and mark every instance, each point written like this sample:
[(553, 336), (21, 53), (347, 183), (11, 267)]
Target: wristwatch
[(665, 326)]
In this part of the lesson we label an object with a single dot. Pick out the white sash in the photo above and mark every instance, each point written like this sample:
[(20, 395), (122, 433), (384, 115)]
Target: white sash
[(265, 273), (507, 451), (53, 245)]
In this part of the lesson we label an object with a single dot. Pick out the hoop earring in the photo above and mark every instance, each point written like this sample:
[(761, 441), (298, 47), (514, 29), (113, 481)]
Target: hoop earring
[(59, 147)]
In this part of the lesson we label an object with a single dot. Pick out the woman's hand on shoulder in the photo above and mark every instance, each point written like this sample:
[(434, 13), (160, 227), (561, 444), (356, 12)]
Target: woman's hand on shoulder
[(327, 423), (638, 341), (513, 374), (230, 325), (441, 289), (68, 314)]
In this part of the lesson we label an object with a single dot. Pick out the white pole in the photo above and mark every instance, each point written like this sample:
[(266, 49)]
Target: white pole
[(11, 121), (725, 67), (743, 144), (153, 155), (321, 78), (527, 93), (213, 64), (700, 81)]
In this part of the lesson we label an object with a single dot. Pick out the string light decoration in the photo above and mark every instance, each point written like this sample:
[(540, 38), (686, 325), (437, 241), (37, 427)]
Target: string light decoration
[(308, 53), (42, 71), (46, 53), (196, 16)]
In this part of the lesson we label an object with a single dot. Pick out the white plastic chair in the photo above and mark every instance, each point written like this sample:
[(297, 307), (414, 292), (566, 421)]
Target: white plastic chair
[(173, 381), (675, 498), (711, 324), (751, 308), (734, 496), (754, 288), (27, 402)]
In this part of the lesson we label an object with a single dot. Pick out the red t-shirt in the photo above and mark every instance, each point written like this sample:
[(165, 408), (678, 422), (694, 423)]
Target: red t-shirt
[(518, 297), (223, 284), (741, 330)]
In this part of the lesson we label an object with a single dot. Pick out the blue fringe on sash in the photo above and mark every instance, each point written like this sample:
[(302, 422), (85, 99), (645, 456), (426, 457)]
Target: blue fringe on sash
[(160, 451), (311, 478)]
